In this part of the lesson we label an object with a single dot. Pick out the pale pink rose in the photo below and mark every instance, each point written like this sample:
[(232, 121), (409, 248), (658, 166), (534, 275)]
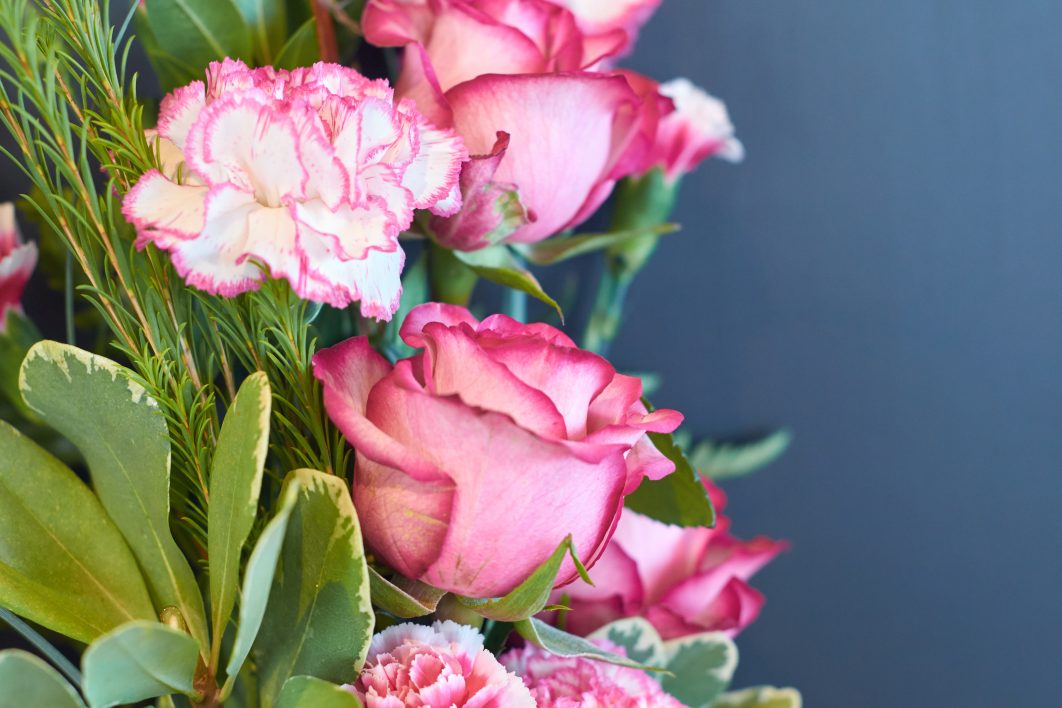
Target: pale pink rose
[(560, 682), (464, 39), (603, 17), (308, 175), (479, 455), (17, 261), (441, 666), (683, 580), (698, 128)]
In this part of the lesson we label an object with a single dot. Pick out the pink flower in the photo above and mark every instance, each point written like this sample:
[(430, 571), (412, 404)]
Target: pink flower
[(559, 682), (698, 128), (684, 581), (17, 261), (597, 17), (480, 454), (308, 175), (441, 666), (463, 39)]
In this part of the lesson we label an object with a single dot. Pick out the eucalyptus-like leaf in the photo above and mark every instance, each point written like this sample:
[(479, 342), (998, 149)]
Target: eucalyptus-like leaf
[(760, 697), (719, 461), (123, 437), (530, 597), (258, 579), (199, 31), (498, 265), (680, 498), (268, 22), (699, 667), (137, 661), (63, 563), (301, 48), (319, 619), (235, 482), (561, 643), (561, 248), (417, 600), (310, 692), (26, 681)]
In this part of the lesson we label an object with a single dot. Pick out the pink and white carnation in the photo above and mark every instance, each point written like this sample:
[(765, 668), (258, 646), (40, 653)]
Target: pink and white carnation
[(563, 682), (682, 580), (308, 175), (698, 128), (441, 666), (17, 261)]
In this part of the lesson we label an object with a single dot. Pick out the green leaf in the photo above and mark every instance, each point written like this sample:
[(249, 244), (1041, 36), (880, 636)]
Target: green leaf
[(761, 697), (319, 619), (679, 499), (530, 596), (414, 292), (498, 265), (28, 681), (235, 482), (719, 461), (561, 643), (199, 31), (63, 563), (123, 437), (257, 581), (16, 339), (310, 692), (300, 49), (415, 600), (171, 71), (561, 248), (137, 661), (699, 667), (638, 637), (268, 21)]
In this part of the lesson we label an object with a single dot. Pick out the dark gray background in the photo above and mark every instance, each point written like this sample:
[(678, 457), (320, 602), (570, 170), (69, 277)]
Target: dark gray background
[(881, 275)]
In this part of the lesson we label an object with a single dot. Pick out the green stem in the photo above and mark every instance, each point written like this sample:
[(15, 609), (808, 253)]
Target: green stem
[(68, 299), (451, 280), (43, 646)]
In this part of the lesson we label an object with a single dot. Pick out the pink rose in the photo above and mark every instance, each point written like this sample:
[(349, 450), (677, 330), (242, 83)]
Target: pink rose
[(480, 454), (699, 127), (312, 173), (683, 580), (506, 76), (443, 666), (463, 39), (560, 682), (17, 261), (597, 17)]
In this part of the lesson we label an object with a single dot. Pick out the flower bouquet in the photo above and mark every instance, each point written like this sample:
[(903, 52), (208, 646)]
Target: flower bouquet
[(288, 454)]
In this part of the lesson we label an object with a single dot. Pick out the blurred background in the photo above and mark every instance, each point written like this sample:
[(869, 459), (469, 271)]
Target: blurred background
[(882, 276)]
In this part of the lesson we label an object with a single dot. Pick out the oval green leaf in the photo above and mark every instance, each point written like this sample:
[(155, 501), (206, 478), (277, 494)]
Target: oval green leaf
[(199, 31), (417, 600), (760, 697), (699, 667), (63, 563), (310, 692), (319, 619), (497, 264), (137, 661), (235, 483), (680, 498), (561, 643), (120, 431), (29, 681)]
